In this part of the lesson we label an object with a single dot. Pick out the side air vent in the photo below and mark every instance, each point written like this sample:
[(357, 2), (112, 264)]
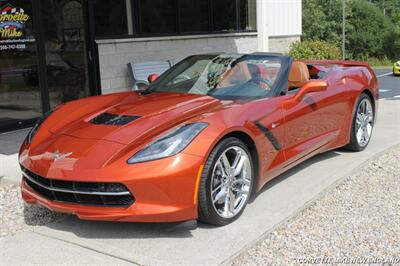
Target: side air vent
[(113, 119)]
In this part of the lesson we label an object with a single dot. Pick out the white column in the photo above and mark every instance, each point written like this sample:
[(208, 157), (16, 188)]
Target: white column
[(262, 25)]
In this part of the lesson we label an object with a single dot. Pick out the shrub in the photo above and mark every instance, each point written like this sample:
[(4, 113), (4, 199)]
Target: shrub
[(379, 62), (314, 50)]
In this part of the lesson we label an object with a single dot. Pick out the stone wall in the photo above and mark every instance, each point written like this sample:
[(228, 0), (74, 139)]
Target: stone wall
[(281, 44)]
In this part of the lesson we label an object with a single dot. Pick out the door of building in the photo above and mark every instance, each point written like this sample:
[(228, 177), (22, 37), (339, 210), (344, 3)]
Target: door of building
[(20, 94), (62, 63)]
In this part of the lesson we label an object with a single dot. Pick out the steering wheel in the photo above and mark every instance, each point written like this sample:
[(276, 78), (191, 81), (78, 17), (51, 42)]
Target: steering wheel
[(259, 80)]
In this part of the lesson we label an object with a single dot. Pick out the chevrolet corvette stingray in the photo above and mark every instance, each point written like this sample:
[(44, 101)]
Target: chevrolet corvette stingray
[(199, 141)]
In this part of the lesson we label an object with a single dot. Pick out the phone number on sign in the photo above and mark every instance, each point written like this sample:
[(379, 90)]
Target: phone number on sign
[(12, 46)]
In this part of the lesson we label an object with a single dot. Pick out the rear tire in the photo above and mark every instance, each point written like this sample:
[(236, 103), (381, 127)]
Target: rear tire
[(226, 183), (362, 125)]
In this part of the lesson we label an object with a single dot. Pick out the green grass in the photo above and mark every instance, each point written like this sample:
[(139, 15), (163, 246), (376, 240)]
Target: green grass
[(381, 63)]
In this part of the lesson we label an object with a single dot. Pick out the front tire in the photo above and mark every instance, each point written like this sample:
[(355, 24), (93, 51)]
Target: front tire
[(226, 183), (363, 122)]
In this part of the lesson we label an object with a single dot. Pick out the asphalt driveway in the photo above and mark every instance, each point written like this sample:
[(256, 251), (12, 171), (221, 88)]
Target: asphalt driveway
[(192, 243), (389, 85)]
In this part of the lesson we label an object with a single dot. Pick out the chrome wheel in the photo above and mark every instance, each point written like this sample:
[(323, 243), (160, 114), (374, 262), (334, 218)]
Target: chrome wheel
[(231, 181), (364, 122)]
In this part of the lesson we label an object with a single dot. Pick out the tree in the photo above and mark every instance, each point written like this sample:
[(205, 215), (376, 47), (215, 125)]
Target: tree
[(390, 8), (373, 32), (322, 20), (370, 31)]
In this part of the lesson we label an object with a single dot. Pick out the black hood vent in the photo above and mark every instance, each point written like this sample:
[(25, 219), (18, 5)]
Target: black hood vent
[(113, 119)]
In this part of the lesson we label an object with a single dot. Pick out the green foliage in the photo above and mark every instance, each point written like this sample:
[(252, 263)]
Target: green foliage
[(380, 62), (317, 50), (322, 20), (374, 33), (372, 27), (391, 8)]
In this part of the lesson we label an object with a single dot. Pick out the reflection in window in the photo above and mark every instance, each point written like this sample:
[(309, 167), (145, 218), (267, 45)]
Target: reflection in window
[(224, 14), (110, 17), (20, 95), (73, 24), (193, 15), (72, 15), (157, 16), (248, 15)]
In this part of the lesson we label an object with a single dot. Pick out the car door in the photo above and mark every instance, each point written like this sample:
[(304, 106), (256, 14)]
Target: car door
[(304, 127), (311, 123), (309, 120)]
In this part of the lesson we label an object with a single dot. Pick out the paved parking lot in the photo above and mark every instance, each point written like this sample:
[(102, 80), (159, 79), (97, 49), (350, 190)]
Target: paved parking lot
[(192, 243), (389, 85)]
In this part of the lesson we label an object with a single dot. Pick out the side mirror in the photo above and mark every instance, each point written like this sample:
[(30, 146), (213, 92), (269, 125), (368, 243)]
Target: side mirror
[(152, 77), (309, 87)]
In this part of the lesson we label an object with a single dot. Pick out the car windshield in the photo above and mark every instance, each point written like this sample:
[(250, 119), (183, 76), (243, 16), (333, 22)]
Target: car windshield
[(225, 76)]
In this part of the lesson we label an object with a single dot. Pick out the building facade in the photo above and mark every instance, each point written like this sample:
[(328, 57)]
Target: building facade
[(53, 51)]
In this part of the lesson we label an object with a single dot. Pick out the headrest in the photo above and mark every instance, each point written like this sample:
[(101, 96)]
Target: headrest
[(298, 75)]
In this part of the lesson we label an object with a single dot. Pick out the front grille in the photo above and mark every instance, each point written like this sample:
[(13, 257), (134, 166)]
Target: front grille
[(84, 193)]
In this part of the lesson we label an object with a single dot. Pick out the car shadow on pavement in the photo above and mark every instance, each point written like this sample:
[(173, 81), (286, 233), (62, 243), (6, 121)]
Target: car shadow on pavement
[(123, 230), (315, 159), (134, 230)]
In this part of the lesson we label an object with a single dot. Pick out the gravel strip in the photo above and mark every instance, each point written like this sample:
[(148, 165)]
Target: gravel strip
[(17, 216), (358, 222)]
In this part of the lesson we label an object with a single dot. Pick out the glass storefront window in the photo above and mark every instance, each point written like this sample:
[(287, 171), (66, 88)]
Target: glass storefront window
[(157, 16), (248, 20), (144, 18), (110, 17), (194, 16), (224, 15), (20, 98), (64, 38)]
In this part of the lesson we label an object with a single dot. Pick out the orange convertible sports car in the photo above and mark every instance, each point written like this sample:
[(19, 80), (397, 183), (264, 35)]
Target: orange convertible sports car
[(199, 141)]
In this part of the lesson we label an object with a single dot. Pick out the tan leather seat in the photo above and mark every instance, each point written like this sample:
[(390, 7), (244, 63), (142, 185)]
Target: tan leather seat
[(298, 75), (239, 74)]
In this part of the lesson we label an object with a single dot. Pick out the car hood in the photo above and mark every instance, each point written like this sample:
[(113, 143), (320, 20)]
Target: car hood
[(137, 117)]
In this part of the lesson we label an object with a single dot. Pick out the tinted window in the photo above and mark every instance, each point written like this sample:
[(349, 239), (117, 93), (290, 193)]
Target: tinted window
[(110, 17), (193, 15), (19, 79), (157, 16), (224, 15), (172, 17), (248, 15)]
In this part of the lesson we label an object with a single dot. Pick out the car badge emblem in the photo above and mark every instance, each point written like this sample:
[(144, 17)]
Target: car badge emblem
[(59, 156)]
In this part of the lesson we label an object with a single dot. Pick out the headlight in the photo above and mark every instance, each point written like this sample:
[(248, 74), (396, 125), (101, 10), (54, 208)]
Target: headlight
[(169, 144), (397, 64), (34, 129)]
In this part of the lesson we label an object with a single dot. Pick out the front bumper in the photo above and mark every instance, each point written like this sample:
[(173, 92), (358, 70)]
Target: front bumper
[(164, 190)]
